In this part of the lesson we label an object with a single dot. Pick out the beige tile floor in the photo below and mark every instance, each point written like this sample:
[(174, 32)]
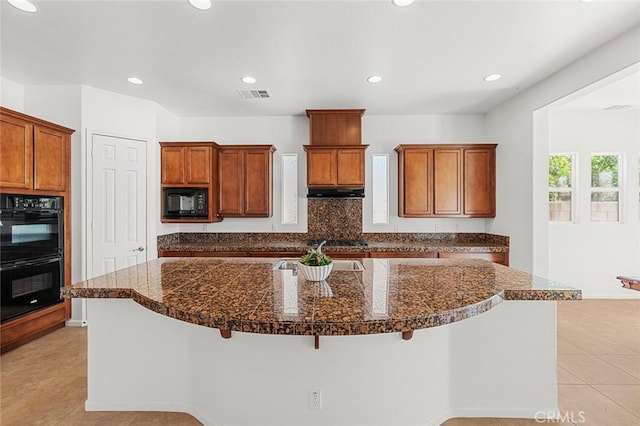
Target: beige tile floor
[(44, 382)]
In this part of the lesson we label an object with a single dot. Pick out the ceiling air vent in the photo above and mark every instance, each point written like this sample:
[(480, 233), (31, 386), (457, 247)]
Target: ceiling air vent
[(618, 107), (253, 94)]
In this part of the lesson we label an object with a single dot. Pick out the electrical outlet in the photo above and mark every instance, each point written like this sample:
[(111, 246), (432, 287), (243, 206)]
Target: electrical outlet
[(315, 400)]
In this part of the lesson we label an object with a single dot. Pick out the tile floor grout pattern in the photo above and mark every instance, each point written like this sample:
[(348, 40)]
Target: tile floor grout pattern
[(598, 375)]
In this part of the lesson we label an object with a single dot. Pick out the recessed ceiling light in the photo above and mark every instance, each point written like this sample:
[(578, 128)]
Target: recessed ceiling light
[(586, 1), (201, 4), (24, 5), (248, 79), (402, 3), (493, 77), (374, 79), (134, 80)]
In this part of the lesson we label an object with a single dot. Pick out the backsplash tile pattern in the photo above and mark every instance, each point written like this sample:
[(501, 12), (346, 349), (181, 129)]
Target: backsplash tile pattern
[(334, 219)]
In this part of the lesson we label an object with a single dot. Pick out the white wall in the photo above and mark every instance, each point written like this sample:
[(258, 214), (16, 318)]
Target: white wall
[(125, 116), (384, 133), (511, 126), (11, 95), (594, 253), (287, 133), (381, 133)]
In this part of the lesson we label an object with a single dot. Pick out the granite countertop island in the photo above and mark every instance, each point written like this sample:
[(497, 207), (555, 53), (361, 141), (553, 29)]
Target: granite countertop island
[(389, 295), (362, 245), (404, 341)]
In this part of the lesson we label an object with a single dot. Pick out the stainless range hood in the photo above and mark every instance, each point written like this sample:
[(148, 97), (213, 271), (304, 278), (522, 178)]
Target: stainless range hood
[(335, 193)]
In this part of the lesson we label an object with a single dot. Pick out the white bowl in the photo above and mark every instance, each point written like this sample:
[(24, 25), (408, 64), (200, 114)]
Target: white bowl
[(315, 273)]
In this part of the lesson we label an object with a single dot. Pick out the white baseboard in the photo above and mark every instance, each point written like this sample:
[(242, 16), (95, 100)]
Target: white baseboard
[(494, 413), (175, 407), (75, 323)]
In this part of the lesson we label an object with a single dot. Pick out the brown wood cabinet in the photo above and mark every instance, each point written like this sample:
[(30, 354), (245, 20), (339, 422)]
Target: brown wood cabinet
[(35, 159), (187, 163), (404, 254), (480, 182), (502, 257), (335, 166), (35, 153), (446, 180), (335, 126), (190, 165), (245, 181)]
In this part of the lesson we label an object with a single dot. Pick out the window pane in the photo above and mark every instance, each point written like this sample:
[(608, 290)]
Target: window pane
[(605, 206), (604, 171), (289, 189), (560, 171), (560, 206), (380, 194)]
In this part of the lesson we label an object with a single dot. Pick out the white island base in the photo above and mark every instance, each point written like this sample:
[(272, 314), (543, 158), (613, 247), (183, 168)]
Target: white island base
[(501, 363)]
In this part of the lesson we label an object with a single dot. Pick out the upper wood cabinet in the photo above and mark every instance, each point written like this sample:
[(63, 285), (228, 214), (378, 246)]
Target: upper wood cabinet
[(187, 163), (335, 126), (446, 180), (190, 164), (245, 180), (35, 153), (335, 166), (480, 181)]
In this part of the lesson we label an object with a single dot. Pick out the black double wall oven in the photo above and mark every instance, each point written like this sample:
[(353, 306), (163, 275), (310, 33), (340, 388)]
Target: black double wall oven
[(31, 253)]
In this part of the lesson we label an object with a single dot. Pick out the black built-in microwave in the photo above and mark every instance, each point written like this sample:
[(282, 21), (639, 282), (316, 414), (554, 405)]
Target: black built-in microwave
[(185, 203)]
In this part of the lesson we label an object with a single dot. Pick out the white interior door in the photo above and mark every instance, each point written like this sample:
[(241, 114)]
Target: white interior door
[(117, 204)]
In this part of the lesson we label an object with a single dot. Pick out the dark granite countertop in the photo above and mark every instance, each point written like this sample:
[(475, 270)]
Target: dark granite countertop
[(390, 295), (274, 242)]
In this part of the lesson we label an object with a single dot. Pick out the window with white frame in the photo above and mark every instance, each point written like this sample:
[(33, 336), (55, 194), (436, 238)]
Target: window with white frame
[(380, 188), (605, 187), (562, 197), (289, 189)]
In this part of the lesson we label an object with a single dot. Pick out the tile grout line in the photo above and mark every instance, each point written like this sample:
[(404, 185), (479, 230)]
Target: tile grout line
[(599, 356), (614, 401)]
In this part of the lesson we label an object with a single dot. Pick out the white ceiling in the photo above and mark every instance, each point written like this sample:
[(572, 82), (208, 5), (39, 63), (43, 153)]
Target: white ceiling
[(433, 55)]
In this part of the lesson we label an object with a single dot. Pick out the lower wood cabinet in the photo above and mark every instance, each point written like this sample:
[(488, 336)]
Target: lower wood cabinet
[(404, 254), (502, 257), (25, 329), (345, 255), (277, 254)]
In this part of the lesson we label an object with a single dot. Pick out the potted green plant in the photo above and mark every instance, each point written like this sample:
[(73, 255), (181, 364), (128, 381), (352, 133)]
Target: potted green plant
[(315, 265)]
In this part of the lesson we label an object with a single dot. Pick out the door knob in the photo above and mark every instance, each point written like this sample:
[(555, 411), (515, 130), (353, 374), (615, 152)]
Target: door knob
[(138, 249)]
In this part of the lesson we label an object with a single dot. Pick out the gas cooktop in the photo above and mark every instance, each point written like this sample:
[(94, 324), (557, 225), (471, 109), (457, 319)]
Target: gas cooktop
[(333, 243)]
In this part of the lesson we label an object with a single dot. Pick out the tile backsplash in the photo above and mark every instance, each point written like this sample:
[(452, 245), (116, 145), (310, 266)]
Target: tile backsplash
[(335, 218)]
